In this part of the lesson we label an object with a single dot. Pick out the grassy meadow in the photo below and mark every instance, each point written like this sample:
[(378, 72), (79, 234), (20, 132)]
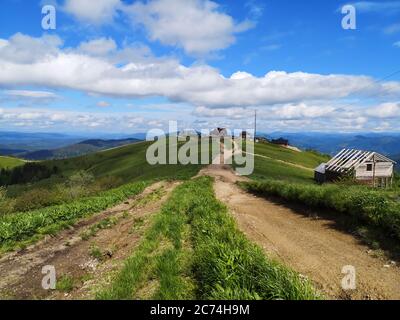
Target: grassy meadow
[(10, 162)]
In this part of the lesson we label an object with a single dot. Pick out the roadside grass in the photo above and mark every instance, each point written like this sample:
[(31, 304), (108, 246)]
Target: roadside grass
[(226, 264), (367, 206), (193, 250), (21, 229), (65, 284)]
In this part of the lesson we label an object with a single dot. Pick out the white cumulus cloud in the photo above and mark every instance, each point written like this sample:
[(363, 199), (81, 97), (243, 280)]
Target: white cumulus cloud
[(197, 26), (93, 11)]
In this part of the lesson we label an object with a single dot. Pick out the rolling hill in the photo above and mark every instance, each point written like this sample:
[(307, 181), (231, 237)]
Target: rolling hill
[(77, 149), (10, 162), (273, 161)]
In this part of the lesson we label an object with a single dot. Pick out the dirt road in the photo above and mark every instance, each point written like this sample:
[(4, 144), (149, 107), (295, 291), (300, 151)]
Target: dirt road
[(312, 247), (86, 261)]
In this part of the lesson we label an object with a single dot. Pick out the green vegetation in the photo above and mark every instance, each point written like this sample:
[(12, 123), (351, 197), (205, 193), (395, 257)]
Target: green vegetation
[(65, 284), (19, 228), (29, 172), (62, 181), (127, 163), (280, 163), (10, 162), (308, 159), (269, 168), (194, 250), (106, 223), (373, 207)]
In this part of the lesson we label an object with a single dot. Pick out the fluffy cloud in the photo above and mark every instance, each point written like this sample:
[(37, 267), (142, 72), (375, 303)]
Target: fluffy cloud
[(31, 94), (306, 116), (125, 75), (98, 47), (197, 26), (385, 110), (23, 49), (43, 119), (97, 12)]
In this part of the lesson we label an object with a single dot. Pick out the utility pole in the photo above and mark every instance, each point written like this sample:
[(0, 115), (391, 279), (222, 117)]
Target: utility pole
[(255, 125)]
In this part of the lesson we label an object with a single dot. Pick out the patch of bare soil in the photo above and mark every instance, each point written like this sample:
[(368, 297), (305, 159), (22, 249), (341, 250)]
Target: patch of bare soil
[(312, 247), (85, 256)]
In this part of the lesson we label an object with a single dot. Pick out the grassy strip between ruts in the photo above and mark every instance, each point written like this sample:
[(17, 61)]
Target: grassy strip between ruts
[(194, 250), (373, 207), (23, 228)]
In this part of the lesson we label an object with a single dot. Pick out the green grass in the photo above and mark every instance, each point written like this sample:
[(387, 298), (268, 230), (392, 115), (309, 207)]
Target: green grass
[(20, 228), (272, 169), (369, 206), (161, 257), (193, 250), (280, 163), (10, 162), (307, 159), (128, 163), (65, 284)]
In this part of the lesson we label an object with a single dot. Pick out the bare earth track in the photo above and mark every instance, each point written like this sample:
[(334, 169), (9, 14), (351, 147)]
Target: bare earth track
[(71, 255), (312, 247)]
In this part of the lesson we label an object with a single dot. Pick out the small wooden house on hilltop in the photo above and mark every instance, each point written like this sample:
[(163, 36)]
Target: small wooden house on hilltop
[(219, 132), (367, 167)]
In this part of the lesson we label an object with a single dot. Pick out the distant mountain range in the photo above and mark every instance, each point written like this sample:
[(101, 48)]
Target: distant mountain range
[(12, 143), (45, 146), (331, 143)]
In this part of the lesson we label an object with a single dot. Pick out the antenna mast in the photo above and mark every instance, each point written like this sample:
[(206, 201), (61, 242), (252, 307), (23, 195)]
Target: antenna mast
[(255, 125)]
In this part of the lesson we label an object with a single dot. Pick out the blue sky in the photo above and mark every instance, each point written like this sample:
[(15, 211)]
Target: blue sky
[(128, 66)]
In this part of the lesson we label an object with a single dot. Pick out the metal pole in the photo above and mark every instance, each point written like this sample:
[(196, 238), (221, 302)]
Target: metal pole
[(373, 178), (255, 125)]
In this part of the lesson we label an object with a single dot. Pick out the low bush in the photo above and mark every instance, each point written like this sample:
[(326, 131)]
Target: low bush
[(37, 198), (6, 204), (373, 207)]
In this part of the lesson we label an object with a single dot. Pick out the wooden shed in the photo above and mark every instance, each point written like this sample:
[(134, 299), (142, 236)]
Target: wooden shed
[(367, 167)]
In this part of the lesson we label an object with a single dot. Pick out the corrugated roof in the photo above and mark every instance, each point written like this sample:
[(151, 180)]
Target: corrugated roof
[(351, 159)]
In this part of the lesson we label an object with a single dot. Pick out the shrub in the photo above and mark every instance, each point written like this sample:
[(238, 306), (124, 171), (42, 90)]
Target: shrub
[(37, 198), (6, 205)]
